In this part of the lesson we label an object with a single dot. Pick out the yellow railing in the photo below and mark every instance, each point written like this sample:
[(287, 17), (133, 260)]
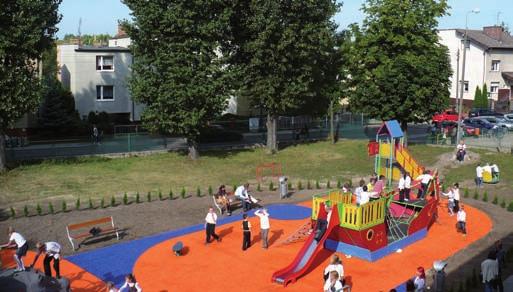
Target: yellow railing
[(336, 197), (364, 216), (316, 203)]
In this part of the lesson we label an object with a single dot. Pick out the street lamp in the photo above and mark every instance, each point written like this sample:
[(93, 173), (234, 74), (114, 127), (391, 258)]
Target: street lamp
[(462, 85)]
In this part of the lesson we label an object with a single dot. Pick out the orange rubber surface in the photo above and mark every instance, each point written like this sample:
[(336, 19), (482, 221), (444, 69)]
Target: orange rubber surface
[(225, 267), (81, 281)]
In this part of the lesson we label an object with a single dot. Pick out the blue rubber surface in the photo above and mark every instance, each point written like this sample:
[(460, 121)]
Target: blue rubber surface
[(113, 262)]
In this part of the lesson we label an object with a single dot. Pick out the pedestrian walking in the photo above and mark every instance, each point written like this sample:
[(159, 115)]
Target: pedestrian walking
[(52, 252), (210, 225), (246, 230), (264, 226)]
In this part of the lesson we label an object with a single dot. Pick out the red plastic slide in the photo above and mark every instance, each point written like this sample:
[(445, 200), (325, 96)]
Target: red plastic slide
[(308, 252)]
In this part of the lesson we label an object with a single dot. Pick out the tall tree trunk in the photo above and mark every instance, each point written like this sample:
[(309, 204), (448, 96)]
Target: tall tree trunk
[(192, 144), (332, 125), (272, 146), (404, 127), (3, 161)]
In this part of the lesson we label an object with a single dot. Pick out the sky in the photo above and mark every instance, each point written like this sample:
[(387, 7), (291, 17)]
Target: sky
[(101, 16)]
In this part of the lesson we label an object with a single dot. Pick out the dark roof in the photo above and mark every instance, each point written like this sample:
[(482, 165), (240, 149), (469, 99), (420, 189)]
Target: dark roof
[(488, 42), (119, 36), (102, 49)]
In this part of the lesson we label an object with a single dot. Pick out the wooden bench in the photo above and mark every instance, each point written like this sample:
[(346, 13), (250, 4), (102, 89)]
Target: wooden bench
[(82, 230), (234, 202)]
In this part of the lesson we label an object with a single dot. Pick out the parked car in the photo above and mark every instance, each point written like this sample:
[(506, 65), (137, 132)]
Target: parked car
[(478, 123), (483, 112), (446, 116), (498, 121), (509, 117)]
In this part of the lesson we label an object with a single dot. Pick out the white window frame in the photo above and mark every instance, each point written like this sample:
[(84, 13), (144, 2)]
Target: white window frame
[(494, 85), (466, 86), (100, 63), (496, 65), (101, 93)]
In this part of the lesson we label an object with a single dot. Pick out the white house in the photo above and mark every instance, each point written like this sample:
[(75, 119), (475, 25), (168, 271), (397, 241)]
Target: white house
[(489, 60)]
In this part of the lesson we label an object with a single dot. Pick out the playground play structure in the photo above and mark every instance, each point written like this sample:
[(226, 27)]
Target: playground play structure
[(375, 229)]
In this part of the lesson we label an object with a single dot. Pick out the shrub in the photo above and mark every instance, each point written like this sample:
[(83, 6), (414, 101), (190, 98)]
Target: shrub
[(271, 186), (125, 199), (210, 191), (64, 206), (259, 188), (25, 211), (39, 210), (234, 188), (289, 185), (299, 185), (50, 208), (198, 192), (510, 206), (77, 204), (13, 213), (160, 195), (339, 184), (350, 183), (485, 197), (467, 193), (102, 203), (476, 195), (137, 198), (495, 200), (317, 185), (171, 195), (113, 201), (148, 197), (503, 203), (308, 185), (91, 206), (328, 184), (183, 193)]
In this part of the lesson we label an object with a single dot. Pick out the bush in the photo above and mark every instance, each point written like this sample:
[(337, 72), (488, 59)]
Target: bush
[(339, 184), (13, 213), (485, 197), (77, 204), (234, 188), (25, 211), (308, 185), (113, 201), (259, 188), (183, 193), (64, 206), (328, 184), (467, 193), (125, 199), (503, 203), (210, 191), (271, 186), (91, 206), (495, 200), (317, 185), (510, 206), (198, 192), (148, 197), (476, 195), (102, 203), (160, 195), (137, 198), (50, 208), (171, 195), (289, 185), (39, 210), (299, 186)]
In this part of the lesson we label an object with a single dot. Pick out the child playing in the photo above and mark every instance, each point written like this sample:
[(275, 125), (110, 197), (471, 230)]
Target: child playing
[(246, 230), (450, 202), (462, 221)]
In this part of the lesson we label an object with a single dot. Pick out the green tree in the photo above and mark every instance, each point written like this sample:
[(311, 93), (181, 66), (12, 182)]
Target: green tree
[(281, 52), (399, 68), (27, 29), (484, 97), (57, 110), (178, 72), (477, 97)]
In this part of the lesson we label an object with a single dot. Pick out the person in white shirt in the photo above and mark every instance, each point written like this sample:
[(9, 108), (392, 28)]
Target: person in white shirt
[(52, 251), (264, 226), (420, 280), (358, 191), (210, 225), (495, 170), (131, 284), (461, 216), (450, 202), (17, 240), (424, 178), (479, 175), (456, 194), (364, 196), (242, 194), (333, 284), (335, 265), (111, 288), (490, 270), (461, 151), (404, 187)]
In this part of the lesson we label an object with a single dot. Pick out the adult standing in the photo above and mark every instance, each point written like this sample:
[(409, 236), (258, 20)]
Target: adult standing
[(210, 225), (246, 230), (96, 134), (479, 175), (264, 226), (52, 252), (17, 240), (490, 271)]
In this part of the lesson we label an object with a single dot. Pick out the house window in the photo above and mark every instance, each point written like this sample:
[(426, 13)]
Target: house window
[(496, 65), (104, 92), (494, 87), (465, 86), (105, 63)]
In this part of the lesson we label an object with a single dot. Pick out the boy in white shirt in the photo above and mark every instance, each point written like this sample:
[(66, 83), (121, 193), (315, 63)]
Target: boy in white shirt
[(17, 240), (462, 221), (264, 226), (210, 225), (479, 175)]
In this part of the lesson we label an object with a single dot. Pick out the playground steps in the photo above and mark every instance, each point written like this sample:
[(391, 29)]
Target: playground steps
[(297, 236)]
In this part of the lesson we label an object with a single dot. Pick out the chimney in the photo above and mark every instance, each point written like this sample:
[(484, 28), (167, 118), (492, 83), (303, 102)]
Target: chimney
[(121, 31), (495, 32)]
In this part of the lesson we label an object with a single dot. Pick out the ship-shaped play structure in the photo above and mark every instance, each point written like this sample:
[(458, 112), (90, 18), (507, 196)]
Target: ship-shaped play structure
[(379, 227)]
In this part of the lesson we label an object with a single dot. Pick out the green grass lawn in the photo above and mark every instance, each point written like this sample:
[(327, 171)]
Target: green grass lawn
[(102, 177)]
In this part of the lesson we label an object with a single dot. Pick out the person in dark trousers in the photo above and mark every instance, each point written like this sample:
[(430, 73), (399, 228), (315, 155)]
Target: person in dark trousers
[(210, 225), (96, 135), (439, 276), (246, 230), (461, 216), (52, 251), (17, 240)]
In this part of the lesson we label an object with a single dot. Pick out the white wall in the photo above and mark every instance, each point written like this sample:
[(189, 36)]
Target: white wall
[(123, 42)]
